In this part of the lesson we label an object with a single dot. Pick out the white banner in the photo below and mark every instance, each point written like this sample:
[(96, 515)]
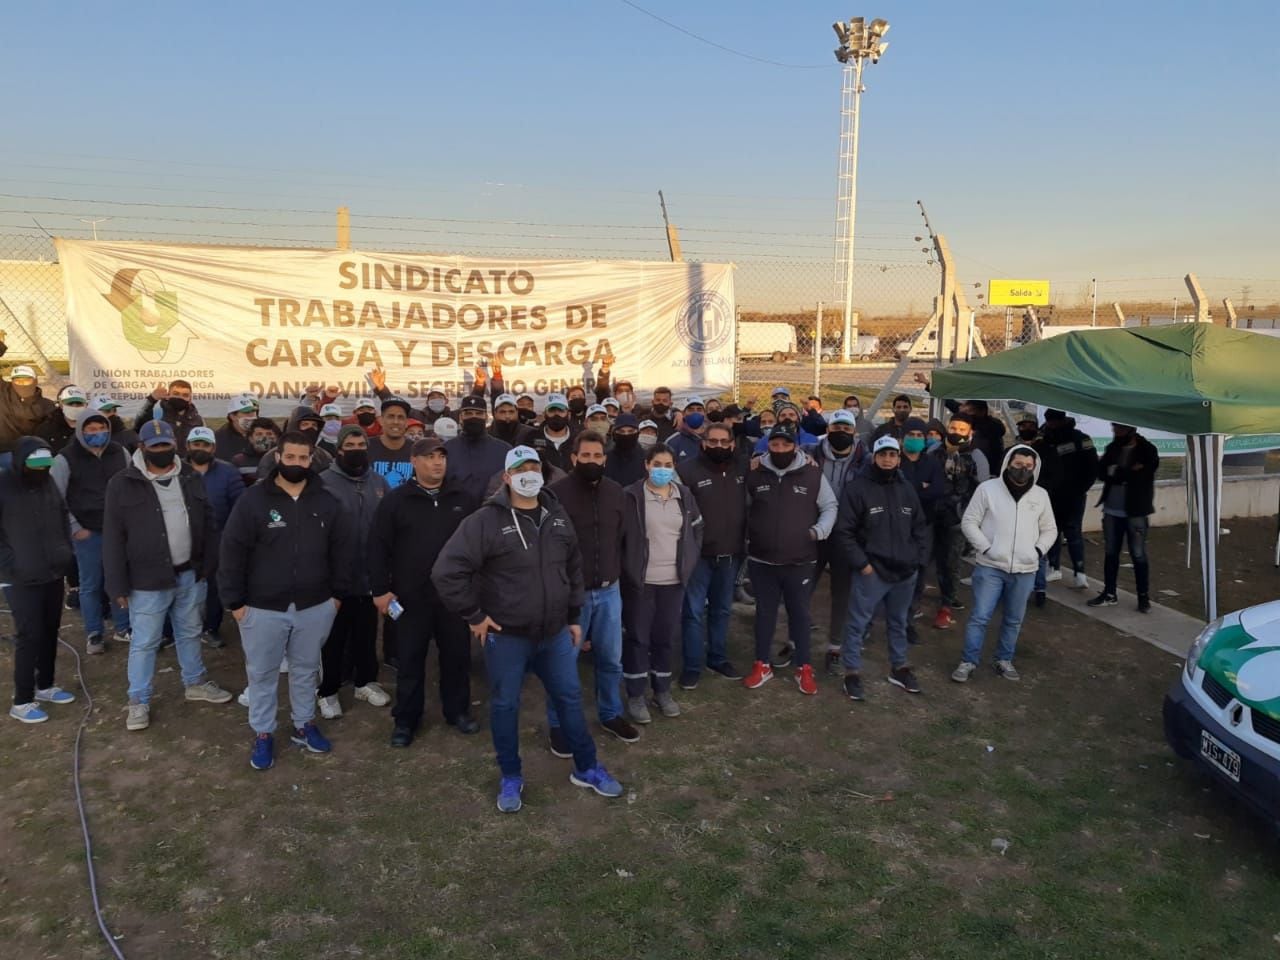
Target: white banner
[(272, 322)]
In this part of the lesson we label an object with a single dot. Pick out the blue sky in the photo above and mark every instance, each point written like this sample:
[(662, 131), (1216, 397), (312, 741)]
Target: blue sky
[(1110, 140)]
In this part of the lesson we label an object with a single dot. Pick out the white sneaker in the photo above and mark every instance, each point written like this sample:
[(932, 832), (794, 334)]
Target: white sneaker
[(961, 673), (1080, 580), (243, 699), (1007, 670), (1054, 575), (123, 636), (967, 581), (330, 708), (373, 694), (139, 717)]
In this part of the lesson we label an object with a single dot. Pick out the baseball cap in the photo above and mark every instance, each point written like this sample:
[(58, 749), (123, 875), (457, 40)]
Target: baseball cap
[(40, 458), (21, 371), (845, 417), (693, 402), (597, 408), (886, 443), (611, 402), (517, 456), (427, 445), (156, 433), (557, 400), (71, 393), (331, 410), (784, 430), (400, 402), (1052, 414), (915, 423), (626, 420), (780, 392), (241, 404), (445, 427), (201, 433), (104, 404), (504, 398), (648, 425), (364, 403), (472, 402)]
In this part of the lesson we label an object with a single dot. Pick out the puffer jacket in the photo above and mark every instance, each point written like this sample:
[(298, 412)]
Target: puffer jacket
[(1010, 534)]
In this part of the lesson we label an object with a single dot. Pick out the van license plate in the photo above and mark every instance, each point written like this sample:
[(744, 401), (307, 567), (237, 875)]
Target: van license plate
[(1220, 755)]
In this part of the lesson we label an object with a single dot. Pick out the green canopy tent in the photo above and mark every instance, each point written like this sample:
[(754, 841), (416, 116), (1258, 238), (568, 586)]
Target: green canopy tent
[(1195, 379)]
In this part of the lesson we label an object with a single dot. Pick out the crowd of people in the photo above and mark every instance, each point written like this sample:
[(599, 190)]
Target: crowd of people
[(596, 524)]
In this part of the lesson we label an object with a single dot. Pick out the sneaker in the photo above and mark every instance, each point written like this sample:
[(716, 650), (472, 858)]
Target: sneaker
[(139, 717), (213, 641), (966, 581), (727, 670), (1007, 670), (72, 599), (760, 674), (55, 695), (1054, 575), (309, 736), (1144, 603), (597, 779), (126, 636), (509, 791), (956, 604), (667, 704), (243, 699), (783, 657), (373, 694), (621, 729), (465, 723), (639, 710), (559, 744), (962, 673), (804, 680), (330, 707), (832, 663), (1103, 600), (94, 644), (1041, 598), (207, 692), (904, 678), (742, 595), (1080, 580), (263, 756), (28, 713), (689, 680), (853, 686), (944, 620), (401, 737), (913, 635)]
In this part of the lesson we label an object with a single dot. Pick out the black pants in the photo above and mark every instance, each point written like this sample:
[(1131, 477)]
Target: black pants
[(37, 614), (651, 613), (388, 640), (832, 557), (350, 649), (417, 627), (948, 553), (791, 585), (1117, 532), (212, 607)]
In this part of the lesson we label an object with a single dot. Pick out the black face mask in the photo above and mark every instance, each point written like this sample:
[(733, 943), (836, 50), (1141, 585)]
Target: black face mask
[(625, 442), (473, 426), (292, 472), (504, 429), (719, 454), (200, 457), (880, 475), (956, 440), (590, 472), (1028, 433), (577, 406), (159, 458), (312, 435), (1019, 476), (556, 421), (782, 460), (354, 462), (176, 404), (527, 416), (34, 478), (660, 409), (840, 442), (366, 419)]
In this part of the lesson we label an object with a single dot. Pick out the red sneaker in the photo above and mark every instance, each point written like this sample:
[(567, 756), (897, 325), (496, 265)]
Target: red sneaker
[(944, 619), (804, 680), (760, 674)]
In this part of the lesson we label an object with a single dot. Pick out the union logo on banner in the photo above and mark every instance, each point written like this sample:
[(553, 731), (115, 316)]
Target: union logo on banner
[(149, 316), (706, 322)]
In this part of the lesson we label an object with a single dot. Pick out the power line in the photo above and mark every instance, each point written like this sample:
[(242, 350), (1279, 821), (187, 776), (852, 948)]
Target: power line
[(721, 46)]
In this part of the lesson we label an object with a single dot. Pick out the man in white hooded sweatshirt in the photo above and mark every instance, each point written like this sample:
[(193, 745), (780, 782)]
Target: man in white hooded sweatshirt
[(1009, 522)]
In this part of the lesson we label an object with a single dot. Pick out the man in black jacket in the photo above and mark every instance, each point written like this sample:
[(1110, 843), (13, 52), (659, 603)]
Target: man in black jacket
[(552, 440), (233, 437), (285, 559), (1128, 474), (60, 425), (512, 571), (719, 487), (159, 546), (594, 504), (22, 406), (177, 410), (1079, 471), (506, 424), (882, 529), (474, 456), (35, 550), (411, 525), (625, 462)]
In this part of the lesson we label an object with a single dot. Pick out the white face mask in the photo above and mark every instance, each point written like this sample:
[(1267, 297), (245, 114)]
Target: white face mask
[(647, 440), (435, 405), (527, 484)]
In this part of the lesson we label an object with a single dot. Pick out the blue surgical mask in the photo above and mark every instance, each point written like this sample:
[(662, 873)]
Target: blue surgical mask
[(932, 443), (694, 420), (661, 476), (97, 439)]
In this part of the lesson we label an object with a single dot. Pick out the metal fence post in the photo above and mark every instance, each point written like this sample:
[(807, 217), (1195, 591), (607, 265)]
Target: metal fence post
[(817, 353)]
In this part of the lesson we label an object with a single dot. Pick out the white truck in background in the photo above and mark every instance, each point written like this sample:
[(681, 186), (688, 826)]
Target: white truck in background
[(767, 341)]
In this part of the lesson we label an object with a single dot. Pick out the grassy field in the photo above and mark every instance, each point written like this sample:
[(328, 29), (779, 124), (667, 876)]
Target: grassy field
[(1041, 819)]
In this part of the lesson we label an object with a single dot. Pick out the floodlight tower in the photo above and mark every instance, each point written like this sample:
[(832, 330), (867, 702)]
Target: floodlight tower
[(859, 42)]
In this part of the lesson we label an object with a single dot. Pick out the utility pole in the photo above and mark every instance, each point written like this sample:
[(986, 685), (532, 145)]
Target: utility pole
[(673, 235), (344, 228)]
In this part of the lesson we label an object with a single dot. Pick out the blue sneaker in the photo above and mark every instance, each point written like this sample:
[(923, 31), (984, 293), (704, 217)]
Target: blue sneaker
[(55, 695), (509, 794), (28, 713), (597, 779), (264, 752), (309, 736)]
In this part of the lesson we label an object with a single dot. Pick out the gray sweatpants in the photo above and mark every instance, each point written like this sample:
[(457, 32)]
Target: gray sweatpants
[(269, 635)]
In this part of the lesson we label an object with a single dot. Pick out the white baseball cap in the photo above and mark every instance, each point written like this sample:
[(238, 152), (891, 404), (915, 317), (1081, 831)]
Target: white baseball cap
[(647, 425), (103, 403), (845, 417), (517, 456), (242, 404), (886, 443), (364, 403), (201, 433), (693, 401), (504, 398), (71, 392), (596, 408), (331, 410), (557, 400), (611, 402), (446, 428), (23, 371)]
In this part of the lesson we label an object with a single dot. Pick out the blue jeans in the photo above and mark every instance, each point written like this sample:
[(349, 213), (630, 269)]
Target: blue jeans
[(990, 588), (183, 604), (602, 627), (869, 592), (555, 662), (708, 607), (89, 563)]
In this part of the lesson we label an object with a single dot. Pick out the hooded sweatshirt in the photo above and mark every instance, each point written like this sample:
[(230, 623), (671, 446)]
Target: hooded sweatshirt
[(359, 495), (788, 511), (82, 472), (838, 470), (321, 460), (35, 547), (1010, 533), (177, 527)]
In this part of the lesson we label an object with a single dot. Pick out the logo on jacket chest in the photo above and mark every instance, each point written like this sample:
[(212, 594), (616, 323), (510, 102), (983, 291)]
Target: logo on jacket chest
[(797, 488), (275, 520)]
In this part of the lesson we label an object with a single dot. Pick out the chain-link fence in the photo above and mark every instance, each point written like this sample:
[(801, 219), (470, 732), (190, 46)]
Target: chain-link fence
[(32, 308)]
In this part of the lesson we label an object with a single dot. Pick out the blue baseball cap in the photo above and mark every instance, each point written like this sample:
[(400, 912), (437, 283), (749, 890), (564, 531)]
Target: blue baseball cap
[(157, 433)]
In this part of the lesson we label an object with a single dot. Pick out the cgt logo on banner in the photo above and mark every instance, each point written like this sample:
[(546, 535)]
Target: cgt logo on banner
[(274, 322)]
